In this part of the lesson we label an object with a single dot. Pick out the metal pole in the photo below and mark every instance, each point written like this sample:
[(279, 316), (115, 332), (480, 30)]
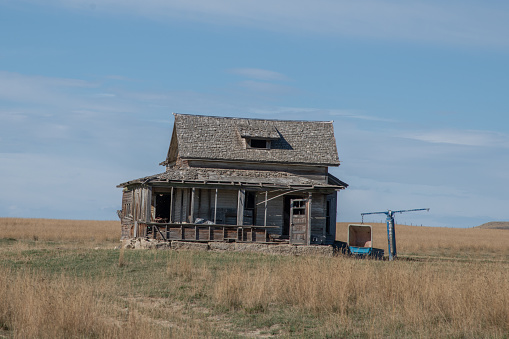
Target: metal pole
[(389, 235), (394, 254)]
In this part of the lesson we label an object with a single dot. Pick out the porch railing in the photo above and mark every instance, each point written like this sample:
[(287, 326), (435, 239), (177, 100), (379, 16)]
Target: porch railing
[(204, 232)]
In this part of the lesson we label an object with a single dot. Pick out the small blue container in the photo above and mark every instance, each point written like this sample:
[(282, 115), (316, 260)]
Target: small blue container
[(361, 250)]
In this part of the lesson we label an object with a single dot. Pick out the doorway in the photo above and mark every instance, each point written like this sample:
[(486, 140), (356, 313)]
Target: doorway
[(285, 232), (299, 221), (163, 207)]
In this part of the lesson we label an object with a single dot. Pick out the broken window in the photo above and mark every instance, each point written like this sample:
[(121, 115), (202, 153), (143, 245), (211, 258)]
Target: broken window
[(260, 143), (299, 207)]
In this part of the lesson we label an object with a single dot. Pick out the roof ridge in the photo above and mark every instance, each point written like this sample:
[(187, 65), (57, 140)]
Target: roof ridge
[(238, 118)]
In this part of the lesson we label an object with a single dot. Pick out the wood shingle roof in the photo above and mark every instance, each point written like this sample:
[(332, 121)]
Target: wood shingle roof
[(220, 138), (237, 177)]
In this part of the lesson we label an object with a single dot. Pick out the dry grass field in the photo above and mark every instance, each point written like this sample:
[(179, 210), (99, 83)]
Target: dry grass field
[(64, 279), (440, 242)]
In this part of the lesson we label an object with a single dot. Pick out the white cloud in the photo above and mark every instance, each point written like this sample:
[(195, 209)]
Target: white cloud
[(459, 22), (354, 114), (259, 74), (39, 89), (461, 137), (266, 87)]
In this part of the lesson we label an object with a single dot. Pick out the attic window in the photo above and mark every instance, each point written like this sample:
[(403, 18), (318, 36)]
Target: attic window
[(259, 143)]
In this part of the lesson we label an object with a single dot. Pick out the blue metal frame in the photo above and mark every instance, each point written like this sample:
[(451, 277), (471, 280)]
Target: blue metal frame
[(391, 230)]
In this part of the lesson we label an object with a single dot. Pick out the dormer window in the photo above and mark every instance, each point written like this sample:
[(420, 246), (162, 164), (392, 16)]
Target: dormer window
[(258, 135), (259, 143)]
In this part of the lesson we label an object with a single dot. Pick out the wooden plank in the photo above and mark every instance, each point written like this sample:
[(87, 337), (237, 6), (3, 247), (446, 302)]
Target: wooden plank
[(215, 207), (191, 212), (148, 203), (310, 200), (171, 205), (265, 211), (189, 233), (240, 206)]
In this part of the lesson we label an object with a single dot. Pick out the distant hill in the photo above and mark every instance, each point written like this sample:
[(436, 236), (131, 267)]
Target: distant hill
[(499, 225)]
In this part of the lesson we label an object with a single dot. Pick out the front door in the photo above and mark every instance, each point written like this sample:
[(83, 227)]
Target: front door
[(298, 222)]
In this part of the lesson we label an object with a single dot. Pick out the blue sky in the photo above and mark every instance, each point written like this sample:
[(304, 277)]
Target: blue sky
[(417, 91)]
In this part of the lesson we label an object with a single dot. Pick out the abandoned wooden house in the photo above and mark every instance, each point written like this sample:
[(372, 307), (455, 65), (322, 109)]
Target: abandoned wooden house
[(236, 179)]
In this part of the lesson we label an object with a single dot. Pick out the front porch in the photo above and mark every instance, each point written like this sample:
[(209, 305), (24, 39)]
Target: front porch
[(204, 232)]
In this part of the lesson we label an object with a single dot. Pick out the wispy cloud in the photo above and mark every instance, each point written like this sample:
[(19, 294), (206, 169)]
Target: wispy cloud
[(459, 22), (259, 74), (355, 114), (266, 87), (319, 113), (38, 89), (461, 137)]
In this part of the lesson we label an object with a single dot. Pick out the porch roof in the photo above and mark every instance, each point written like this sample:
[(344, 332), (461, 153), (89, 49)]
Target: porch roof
[(237, 177)]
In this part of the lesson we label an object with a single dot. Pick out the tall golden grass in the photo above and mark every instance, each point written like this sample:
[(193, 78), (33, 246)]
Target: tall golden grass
[(59, 229), (427, 299), (422, 241), (38, 305), (156, 294)]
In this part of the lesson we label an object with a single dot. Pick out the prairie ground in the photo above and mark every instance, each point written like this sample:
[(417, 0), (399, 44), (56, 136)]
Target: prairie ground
[(65, 279)]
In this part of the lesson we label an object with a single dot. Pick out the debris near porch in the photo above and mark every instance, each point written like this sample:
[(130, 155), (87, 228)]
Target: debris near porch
[(280, 249)]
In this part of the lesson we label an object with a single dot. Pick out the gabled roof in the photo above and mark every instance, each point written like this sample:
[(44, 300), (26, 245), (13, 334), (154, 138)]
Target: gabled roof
[(220, 138)]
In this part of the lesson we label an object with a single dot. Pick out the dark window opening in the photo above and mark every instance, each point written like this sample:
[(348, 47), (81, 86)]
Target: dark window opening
[(249, 209), (327, 218), (259, 143), (163, 206), (299, 207), (250, 200)]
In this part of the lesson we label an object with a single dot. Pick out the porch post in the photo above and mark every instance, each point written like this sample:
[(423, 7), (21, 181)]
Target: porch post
[(135, 231), (240, 207), (310, 199), (265, 212), (215, 207), (191, 214), (171, 206), (148, 202)]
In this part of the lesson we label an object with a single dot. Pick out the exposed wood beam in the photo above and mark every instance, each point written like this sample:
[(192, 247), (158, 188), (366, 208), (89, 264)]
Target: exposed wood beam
[(240, 206)]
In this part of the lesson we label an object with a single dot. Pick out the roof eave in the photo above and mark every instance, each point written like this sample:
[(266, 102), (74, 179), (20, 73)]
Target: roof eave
[(336, 164)]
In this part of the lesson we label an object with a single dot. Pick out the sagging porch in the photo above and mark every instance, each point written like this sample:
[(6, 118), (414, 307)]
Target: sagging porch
[(229, 213)]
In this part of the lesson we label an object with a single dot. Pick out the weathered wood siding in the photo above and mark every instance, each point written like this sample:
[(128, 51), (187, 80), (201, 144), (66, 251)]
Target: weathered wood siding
[(126, 219), (318, 218), (181, 197), (274, 211), (227, 207), (142, 197), (203, 203), (331, 236), (309, 172)]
